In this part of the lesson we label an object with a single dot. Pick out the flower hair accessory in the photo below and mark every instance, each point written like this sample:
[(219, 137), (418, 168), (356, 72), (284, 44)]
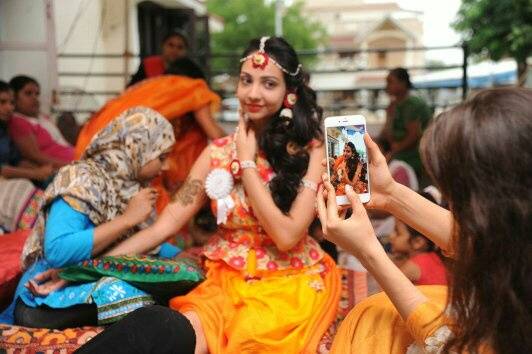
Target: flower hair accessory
[(289, 102), (218, 186), (261, 59)]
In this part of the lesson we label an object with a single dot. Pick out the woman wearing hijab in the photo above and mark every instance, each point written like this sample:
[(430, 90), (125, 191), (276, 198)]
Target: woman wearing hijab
[(91, 205), (184, 98)]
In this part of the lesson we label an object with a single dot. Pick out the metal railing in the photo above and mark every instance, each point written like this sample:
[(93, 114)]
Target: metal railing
[(122, 77)]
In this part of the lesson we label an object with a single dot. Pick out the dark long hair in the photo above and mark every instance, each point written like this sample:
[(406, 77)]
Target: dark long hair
[(352, 162), (489, 190), (301, 129)]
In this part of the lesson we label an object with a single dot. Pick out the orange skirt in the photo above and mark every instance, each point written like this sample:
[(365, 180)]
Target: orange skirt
[(283, 312)]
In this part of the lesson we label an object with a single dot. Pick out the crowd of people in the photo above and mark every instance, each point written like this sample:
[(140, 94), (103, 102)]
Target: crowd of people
[(453, 273)]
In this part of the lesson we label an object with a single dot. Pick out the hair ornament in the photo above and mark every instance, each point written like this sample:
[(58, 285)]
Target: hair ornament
[(261, 59), (288, 103)]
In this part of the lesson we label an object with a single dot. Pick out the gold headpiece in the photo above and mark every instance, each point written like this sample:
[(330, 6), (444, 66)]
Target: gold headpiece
[(260, 59)]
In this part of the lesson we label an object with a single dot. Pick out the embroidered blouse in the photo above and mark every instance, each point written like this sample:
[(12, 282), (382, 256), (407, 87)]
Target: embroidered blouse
[(241, 242)]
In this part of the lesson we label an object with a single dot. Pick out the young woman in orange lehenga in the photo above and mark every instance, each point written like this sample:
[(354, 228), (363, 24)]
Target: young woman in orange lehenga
[(269, 287)]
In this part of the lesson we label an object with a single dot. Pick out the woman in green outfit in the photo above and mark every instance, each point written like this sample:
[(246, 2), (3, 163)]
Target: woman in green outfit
[(406, 118)]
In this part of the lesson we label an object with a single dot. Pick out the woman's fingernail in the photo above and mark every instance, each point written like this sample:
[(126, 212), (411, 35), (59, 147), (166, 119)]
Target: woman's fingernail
[(348, 188)]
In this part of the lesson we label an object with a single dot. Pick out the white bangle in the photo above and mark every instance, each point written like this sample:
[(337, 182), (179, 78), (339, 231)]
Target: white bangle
[(248, 164), (309, 184)]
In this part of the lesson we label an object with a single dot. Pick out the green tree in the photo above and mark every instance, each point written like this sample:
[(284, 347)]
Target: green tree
[(497, 29), (247, 19)]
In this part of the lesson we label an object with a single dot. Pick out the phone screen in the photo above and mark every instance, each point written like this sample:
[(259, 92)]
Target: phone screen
[(348, 160)]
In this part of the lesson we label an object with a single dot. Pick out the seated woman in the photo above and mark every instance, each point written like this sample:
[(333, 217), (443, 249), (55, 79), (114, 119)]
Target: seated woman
[(348, 169), (269, 286), (36, 136), (20, 200), (174, 46), (184, 98), (92, 205), (487, 232)]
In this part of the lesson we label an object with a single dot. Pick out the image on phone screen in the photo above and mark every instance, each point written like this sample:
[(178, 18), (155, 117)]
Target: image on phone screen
[(348, 161)]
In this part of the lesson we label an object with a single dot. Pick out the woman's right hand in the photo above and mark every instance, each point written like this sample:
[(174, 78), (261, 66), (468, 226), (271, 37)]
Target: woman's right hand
[(140, 206), (382, 183), (355, 234)]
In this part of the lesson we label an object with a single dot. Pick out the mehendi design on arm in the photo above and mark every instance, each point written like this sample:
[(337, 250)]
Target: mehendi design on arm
[(188, 191)]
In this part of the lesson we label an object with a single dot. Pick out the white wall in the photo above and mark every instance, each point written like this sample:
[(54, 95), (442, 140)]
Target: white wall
[(26, 44), (95, 27)]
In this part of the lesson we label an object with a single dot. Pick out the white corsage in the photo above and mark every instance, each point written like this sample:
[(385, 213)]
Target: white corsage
[(218, 186)]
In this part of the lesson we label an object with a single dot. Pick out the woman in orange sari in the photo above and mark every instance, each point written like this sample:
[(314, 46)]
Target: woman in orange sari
[(186, 101)]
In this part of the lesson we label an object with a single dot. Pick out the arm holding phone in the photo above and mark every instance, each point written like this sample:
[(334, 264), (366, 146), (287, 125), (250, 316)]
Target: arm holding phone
[(358, 237)]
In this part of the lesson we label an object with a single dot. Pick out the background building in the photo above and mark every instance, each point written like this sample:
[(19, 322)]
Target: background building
[(84, 51)]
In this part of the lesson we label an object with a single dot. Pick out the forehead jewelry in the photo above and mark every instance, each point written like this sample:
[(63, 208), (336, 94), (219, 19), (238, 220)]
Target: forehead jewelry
[(260, 59)]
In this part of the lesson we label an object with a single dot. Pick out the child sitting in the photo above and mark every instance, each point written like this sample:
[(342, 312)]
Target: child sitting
[(417, 257)]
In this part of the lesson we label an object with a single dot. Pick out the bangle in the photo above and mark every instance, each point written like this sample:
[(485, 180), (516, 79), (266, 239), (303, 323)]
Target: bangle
[(248, 164), (313, 186)]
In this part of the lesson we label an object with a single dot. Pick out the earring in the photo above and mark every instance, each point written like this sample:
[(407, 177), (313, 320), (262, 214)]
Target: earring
[(289, 102)]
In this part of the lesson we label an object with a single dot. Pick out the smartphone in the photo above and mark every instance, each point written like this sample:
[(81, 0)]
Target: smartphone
[(347, 158)]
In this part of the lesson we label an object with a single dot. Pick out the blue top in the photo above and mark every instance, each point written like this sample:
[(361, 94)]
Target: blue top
[(9, 154), (68, 239)]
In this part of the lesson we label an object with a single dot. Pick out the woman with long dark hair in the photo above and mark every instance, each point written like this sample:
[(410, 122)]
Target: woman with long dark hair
[(348, 169), (269, 286), (486, 232)]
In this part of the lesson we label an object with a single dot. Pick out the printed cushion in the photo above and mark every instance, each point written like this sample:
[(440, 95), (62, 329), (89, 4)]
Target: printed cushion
[(161, 278), (16, 339)]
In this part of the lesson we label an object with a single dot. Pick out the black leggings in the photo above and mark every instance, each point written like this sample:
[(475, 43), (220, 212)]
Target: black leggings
[(153, 329), (47, 317)]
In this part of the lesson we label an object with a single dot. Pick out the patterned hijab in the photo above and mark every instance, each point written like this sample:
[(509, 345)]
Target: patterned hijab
[(101, 184)]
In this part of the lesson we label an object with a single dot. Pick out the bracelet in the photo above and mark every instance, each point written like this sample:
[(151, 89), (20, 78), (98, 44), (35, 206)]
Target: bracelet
[(313, 186), (248, 164)]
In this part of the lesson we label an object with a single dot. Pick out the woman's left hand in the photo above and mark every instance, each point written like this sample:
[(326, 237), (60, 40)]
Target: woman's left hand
[(246, 141), (355, 234), (46, 283)]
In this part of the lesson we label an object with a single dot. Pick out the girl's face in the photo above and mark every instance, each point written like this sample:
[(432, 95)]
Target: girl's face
[(7, 105), (27, 100), (347, 152), (154, 168), (400, 238), (260, 91)]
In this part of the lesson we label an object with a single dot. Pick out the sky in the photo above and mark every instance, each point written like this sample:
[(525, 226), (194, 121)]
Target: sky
[(438, 16)]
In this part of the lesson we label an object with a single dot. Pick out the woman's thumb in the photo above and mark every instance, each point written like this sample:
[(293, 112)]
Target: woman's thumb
[(353, 198)]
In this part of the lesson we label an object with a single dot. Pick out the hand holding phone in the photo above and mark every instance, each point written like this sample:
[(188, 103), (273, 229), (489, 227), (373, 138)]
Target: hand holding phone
[(347, 158)]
